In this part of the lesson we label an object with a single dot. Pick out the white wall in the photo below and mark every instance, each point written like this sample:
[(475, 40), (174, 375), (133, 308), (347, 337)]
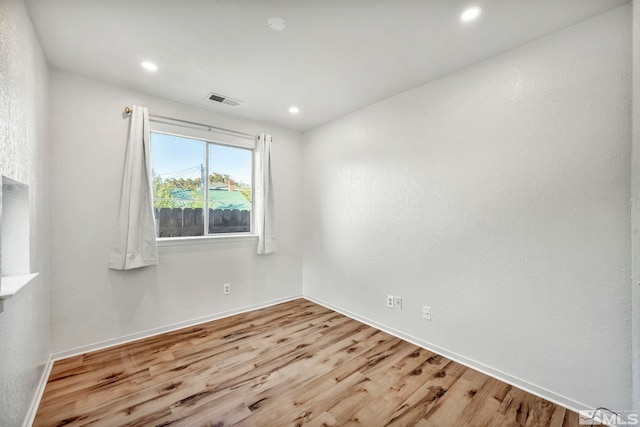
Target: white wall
[(498, 195), (24, 324), (635, 216), (91, 304)]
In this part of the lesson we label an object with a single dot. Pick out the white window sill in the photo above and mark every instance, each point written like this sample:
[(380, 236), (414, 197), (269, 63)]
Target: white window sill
[(11, 285), (197, 240)]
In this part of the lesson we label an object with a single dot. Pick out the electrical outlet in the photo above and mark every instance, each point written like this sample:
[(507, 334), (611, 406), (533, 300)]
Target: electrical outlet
[(391, 301), (426, 313), (226, 289), (398, 303)]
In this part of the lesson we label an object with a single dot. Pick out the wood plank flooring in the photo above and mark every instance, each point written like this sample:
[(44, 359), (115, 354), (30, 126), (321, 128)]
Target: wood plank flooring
[(293, 364)]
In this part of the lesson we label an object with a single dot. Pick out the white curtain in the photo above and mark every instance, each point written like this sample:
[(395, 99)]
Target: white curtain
[(134, 240), (264, 220)]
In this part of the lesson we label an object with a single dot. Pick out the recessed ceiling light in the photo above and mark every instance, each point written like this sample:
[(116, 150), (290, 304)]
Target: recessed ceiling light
[(470, 14), (149, 66), (276, 24), (294, 110)]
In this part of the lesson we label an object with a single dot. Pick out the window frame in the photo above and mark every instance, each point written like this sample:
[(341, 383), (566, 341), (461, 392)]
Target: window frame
[(164, 128)]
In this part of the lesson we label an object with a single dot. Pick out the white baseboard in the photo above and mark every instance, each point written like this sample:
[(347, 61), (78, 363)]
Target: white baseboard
[(35, 403), (495, 373), (161, 330)]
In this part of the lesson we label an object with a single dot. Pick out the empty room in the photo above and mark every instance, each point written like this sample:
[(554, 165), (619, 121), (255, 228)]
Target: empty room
[(319, 212)]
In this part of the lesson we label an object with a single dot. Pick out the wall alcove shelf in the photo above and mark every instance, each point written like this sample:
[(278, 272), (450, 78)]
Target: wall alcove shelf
[(11, 285), (15, 268)]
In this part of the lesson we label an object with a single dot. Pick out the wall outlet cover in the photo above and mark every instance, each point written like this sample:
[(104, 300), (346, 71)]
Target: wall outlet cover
[(391, 301), (398, 302)]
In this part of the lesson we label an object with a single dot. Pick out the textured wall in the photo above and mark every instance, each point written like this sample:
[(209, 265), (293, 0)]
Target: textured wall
[(90, 303), (24, 324), (498, 195), (635, 188)]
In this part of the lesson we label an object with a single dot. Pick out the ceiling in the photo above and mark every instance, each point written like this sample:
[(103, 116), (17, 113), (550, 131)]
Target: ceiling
[(333, 57)]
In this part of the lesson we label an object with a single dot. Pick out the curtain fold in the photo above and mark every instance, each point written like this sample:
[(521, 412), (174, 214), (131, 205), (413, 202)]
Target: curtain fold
[(134, 239), (264, 220)]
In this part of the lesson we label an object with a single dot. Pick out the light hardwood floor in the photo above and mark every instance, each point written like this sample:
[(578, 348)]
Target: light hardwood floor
[(293, 364)]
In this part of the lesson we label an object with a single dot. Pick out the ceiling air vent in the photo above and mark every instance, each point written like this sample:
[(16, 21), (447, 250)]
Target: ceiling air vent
[(216, 97)]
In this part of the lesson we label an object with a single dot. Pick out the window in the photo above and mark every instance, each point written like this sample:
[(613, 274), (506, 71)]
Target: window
[(200, 187)]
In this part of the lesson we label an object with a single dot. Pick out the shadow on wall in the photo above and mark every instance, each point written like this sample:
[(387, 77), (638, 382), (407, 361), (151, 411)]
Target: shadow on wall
[(133, 291)]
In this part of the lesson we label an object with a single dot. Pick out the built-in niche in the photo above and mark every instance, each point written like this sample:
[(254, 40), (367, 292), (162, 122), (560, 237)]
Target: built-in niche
[(14, 238)]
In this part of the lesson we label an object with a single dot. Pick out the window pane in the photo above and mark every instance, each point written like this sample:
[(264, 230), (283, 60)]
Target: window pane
[(178, 169), (230, 177)]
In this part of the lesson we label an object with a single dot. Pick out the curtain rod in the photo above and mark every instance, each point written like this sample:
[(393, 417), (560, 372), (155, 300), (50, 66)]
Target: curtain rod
[(128, 110)]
